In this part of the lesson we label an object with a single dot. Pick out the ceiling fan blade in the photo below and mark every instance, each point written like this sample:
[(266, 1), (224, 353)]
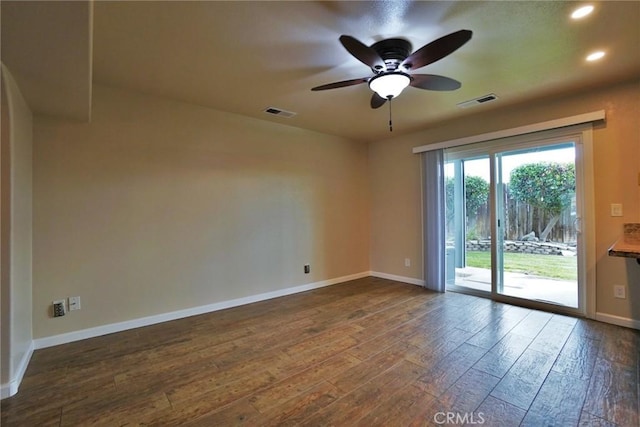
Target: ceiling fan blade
[(343, 83), (437, 49), (363, 53), (377, 101), (434, 82)]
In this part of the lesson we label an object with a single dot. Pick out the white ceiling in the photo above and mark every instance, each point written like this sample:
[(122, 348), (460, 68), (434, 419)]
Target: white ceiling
[(242, 57)]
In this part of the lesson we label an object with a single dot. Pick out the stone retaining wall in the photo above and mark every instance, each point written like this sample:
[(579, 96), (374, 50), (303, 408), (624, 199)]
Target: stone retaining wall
[(542, 248)]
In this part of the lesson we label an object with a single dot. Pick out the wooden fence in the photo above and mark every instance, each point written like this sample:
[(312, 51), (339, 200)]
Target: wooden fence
[(520, 220)]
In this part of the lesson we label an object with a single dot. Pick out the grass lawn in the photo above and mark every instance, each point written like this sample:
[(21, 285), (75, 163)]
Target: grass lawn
[(552, 266)]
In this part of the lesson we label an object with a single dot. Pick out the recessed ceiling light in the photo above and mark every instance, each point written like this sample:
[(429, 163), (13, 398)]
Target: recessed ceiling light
[(595, 56), (581, 12)]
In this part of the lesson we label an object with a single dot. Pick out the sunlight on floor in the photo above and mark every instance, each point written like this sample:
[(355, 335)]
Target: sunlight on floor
[(520, 285)]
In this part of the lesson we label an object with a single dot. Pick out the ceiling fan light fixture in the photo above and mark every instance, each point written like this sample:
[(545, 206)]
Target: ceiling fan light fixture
[(389, 85)]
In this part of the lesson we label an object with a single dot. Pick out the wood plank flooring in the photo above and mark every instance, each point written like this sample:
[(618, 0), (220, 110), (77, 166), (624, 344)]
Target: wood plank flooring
[(369, 352)]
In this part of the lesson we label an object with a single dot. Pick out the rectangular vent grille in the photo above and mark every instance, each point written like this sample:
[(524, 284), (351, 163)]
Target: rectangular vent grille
[(477, 101), (279, 112)]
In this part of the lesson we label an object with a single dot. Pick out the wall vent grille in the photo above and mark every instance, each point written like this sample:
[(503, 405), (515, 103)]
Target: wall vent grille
[(279, 112), (477, 101)]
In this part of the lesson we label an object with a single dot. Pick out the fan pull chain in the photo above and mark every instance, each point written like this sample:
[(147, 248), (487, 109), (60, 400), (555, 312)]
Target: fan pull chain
[(390, 121)]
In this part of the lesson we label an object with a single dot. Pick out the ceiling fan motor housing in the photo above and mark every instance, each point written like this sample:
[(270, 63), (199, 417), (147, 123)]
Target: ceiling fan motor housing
[(392, 52)]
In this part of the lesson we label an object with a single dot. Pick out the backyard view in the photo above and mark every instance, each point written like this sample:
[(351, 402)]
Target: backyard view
[(534, 214), (554, 267)]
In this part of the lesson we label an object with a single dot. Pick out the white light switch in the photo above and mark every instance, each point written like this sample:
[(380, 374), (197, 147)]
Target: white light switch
[(74, 303), (616, 209)]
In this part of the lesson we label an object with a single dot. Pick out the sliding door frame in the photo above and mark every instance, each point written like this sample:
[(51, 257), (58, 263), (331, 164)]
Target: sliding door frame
[(581, 136)]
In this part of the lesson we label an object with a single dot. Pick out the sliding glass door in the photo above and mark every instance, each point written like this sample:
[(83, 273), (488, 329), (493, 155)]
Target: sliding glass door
[(512, 221), (468, 222), (536, 211)]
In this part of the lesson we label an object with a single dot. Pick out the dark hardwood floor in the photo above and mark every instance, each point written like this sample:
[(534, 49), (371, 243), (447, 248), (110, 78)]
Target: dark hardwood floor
[(370, 352)]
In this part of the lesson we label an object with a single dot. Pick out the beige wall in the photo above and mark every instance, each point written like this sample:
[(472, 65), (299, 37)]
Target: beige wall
[(396, 195), (16, 233), (157, 206)]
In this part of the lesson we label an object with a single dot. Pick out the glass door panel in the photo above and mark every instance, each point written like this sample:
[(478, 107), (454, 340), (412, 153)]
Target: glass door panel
[(536, 212), (468, 223)]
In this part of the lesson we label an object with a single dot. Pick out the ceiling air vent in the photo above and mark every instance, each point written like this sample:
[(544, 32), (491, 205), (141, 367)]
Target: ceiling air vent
[(279, 112), (477, 101)]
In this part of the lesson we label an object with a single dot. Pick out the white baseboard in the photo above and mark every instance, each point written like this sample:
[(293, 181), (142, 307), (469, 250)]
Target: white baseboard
[(410, 280), (617, 320), (11, 388), (174, 315)]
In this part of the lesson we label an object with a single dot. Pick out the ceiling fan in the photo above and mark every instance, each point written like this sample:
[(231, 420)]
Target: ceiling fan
[(391, 61)]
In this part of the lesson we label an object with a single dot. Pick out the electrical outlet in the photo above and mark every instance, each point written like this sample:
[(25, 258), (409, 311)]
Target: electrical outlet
[(619, 291), (74, 303), (616, 209), (407, 262), (307, 269), (59, 308)]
